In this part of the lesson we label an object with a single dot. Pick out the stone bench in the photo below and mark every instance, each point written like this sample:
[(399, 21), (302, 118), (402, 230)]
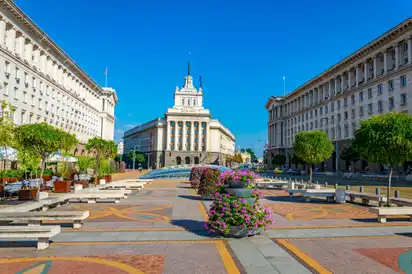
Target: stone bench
[(401, 202), (366, 197), (25, 207), (37, 218), (41, 233), (277, 184), (384, 212), (296, 191), (330, 196), (54, 201), (125, 185), (91, 198)]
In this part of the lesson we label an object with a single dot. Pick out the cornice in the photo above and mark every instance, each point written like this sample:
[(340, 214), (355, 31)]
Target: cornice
[(48, 42), (382, 40)]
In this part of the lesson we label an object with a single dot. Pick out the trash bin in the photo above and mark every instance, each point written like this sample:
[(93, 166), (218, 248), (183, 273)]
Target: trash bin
[(340, 196)]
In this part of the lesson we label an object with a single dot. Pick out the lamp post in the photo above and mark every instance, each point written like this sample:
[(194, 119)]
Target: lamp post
[(134, 154)]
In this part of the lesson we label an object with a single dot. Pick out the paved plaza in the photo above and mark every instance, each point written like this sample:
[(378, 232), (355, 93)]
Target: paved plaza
[(159, 229)]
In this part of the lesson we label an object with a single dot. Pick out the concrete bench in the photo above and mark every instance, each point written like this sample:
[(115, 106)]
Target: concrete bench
[(296, 191), (25, 207), (401, 202), (54, 201), (37, 218), (41, 233), (366, 197), (278, 184), (91, 198), (125, 185), (384, 212), (330, 195)]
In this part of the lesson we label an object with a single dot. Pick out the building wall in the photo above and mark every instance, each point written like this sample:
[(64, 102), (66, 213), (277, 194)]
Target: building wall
[(44, 84), (376, 79)]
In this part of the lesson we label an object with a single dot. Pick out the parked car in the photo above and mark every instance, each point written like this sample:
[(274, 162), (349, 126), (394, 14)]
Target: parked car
[(278, 171), (294, 171)]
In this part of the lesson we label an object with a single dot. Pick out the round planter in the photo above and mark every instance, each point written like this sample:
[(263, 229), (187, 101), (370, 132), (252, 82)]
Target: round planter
[(239, 192), (254, 232), (250, 200), (237, 184), (206, 197), (236, 232)]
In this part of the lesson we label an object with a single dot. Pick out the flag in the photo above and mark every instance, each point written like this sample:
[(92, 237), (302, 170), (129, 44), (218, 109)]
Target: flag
[(105, 72), (284, 78)]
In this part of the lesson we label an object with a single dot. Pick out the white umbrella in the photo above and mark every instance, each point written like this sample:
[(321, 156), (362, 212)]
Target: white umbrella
[(8, 153), (58, 157)]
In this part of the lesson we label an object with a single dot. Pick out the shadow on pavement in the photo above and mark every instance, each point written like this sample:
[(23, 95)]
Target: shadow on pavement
[(195, 227), (190, 197)]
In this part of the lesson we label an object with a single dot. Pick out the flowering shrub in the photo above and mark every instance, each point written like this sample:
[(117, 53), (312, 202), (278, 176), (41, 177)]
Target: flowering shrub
[(207, 184), (195, 176), (237, 175), (226, 212)]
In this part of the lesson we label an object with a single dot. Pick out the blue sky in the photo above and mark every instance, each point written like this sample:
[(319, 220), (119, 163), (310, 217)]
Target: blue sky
[(242, 49)]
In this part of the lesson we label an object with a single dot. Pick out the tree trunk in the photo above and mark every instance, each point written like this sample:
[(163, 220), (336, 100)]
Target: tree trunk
[(388, 194), (43, 164), (310, 174)]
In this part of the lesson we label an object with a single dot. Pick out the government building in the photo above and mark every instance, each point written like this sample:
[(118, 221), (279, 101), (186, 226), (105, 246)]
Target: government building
[(43, 84), (375, 79), (185, 135)]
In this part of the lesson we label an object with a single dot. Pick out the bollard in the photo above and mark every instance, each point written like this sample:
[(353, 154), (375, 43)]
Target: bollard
[(336, 186), (361, 189), (397, 194), (348, 187), (378, 191), (326, 184)]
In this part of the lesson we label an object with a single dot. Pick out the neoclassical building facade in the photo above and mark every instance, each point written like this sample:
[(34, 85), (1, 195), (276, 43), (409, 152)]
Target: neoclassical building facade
[(375, 79), (44, 84), (185, 135)]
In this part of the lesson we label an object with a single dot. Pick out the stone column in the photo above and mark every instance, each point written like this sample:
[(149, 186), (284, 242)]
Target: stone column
[(184, 136), (329, 88), (350, 79), (375, 67), (192, 136), (43, 59), (396, 55), (21, 40), (342, 81), (385, 62), (410, 50), (357, 75), (168, 132), (176, 129), (36, 57), (28, 52), (366, 70), (2, 32), (10, 41), (199, 136), (207, 138)]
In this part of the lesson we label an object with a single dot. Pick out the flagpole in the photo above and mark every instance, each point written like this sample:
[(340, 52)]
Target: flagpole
[(284, 85), (106, 77)]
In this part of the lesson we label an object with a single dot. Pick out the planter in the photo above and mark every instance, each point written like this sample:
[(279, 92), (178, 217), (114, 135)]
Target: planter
[(239, 192), (237, 184), (206, 197), (27, 194), (84, 183), (108, 179), (254, 232), (236, 232), (46, 178), (62, 186), (250, 200)]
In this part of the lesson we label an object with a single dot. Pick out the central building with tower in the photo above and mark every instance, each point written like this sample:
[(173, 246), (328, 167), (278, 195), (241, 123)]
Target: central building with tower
[(186, 134)]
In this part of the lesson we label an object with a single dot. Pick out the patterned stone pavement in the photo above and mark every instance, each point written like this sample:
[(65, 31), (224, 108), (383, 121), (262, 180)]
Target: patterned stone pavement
[(160, 230)]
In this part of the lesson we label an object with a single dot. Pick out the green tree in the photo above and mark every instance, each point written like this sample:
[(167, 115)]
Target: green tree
[(138, 157), (253, 158), (42, 140), (279, 159), (7, 127), (312, 147), (28, 161), (85, 162), (350, 154), (385, 139), (104, 149)]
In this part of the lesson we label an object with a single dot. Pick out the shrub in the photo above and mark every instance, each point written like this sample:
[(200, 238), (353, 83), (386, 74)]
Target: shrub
[(235, 175), (208, 180), (195, 176), (226, 212)]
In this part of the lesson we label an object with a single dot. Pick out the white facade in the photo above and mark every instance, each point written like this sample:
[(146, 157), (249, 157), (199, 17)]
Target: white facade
[(375, 79), (45, 85), (187, 134), (120, 148)]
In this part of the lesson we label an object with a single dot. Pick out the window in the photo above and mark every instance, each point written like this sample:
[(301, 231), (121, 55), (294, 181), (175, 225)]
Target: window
[(404, 99), (32, 101), (326, 109), (194, 102), (332, 119), (379, 89), (391, 103), (7, 69), (370, 109), (352, 99), (346, 115), (188, 102), (403, 81), (390, 85), (338, 107), (332, 106), (17, 71), (361, 111), (316, 112), (380, 108), (183, 102), (6, 88), (316, 124), (24, 97), (369, 93), (338, 117), (345, 102), (33, 82), (360, 96), (16, 93), (321, 111), (353, 113), (39, 103)]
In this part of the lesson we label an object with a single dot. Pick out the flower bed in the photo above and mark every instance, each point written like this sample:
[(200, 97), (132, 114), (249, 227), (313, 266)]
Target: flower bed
[(235, 210), (195, 176), (207, 185)]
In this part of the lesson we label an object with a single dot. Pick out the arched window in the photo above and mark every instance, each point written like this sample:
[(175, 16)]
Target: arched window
[(178, 160), (187, 160), (194, 102), (183, 101), (188, 102)]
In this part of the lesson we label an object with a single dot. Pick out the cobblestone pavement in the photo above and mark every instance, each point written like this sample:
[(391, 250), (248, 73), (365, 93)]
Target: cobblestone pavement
[(160, 230)]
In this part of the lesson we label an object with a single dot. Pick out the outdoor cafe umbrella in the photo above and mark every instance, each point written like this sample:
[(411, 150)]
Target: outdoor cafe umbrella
[(58, 157), (8, 153)]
